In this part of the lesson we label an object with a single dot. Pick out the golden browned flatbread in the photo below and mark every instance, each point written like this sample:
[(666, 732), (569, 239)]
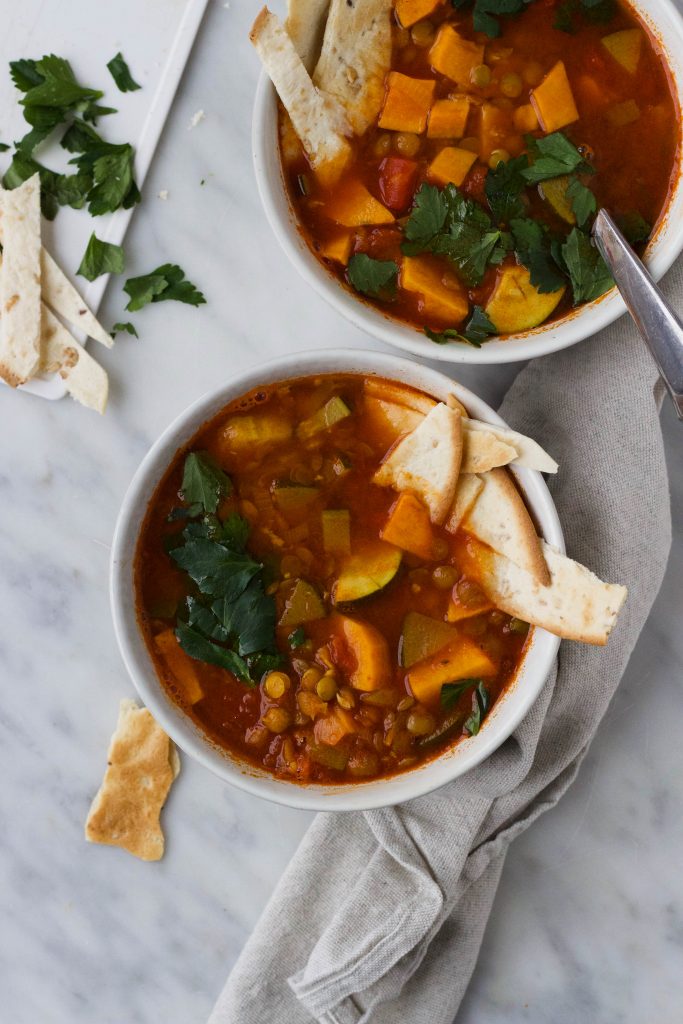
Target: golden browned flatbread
[(389, 392), (142, 764), (305, 26), (482, 451), (499, 518), (84, 378), (427, 461), (576, 605), (355, 57), (529, 452), (20, 283), (318, 119), (466, 493)]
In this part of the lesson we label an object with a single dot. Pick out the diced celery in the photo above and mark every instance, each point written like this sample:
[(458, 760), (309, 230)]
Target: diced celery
[(328, 757)]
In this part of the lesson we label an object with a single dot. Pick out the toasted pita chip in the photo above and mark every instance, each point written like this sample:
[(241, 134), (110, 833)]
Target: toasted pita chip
[(482, 451), (469, 487), (529, 452), (63, 298), (355, 57), (389, 392), (427, 461), (141, 766), (576, 605), (305, 26), (500, 519), (318, 119), (453, 403), (20, 283), (84, 378)]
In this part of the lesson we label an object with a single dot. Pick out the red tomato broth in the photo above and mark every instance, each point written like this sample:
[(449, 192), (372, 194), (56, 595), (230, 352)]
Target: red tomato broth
[(634, 163), (230, 713)]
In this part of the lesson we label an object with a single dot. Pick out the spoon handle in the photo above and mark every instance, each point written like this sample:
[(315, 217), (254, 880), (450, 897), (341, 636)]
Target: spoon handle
[(658, 324)]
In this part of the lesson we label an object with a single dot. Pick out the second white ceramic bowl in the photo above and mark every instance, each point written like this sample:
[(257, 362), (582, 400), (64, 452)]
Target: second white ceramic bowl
[(666, 26), (507, 712)]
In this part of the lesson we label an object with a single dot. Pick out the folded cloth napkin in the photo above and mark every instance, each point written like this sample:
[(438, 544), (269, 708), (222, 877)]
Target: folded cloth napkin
[(379, 916)]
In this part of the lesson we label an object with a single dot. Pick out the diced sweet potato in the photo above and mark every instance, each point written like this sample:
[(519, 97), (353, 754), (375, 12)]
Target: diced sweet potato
[(625, 47), (407, 103), (495, 126), (334, 726), (451, 165), (461, 659), (454, 56), (525, 119), (409, 526), (553, 100), (181, 666), (409, 12), (337, 247), (388, 420), (448, 118), (516, 305), (361, 651), (447, 304), (352, 205)]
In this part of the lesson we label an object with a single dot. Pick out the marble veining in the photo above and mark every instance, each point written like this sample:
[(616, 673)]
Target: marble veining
[(588, 924)]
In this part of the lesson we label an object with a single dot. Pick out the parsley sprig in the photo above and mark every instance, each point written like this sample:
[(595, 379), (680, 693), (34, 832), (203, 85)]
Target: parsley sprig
[(479, 329)]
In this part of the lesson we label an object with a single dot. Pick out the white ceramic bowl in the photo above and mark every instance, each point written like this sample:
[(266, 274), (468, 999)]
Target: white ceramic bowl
[(507, 712), (666, 25)]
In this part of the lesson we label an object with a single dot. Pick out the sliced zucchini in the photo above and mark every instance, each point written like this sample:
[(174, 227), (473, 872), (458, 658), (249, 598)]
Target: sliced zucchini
[(516, 305), (242, 432), (554, 191), (422, 636), (366, 572), (294, 501), (303, 604)]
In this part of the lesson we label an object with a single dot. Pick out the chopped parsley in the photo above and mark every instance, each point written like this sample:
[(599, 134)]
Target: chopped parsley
[(486, 13), (297, 638), (552, 156), (204, 483), (452, 692), (480, 705), (375, 278), (123, 326), (533, 248), (504, 188), (120, 72), (101, 258), (478, 330), (584, 203), (166, 282), (587, 270)]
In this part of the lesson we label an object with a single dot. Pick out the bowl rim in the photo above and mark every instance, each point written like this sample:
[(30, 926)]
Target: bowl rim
[(663, 20), (532, 674)]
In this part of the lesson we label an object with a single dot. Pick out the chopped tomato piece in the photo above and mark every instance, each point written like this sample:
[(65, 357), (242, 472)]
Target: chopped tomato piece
[(397, 178)]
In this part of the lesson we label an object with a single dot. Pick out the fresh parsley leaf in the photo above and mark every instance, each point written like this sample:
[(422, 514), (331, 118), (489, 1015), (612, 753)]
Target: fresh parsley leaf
[(202, 649), (101, 258), (427, 218), (120, 327), (216, 569), (553, 155), (634, 228), (297, 637), (598, 11), (485, 13), (109, 165), (57, 86), (25, 74), (480, 705), (249, 619), (477, 331), (3, 147), (564, 17), (504, 187), (166, 282), (452, 692), (376, 278), (55, 189), (204, 483), (587, 270), (584, 203), (234, 531), (259, 664), (93, 110), (120, 72), (184, 512), (533, 249)]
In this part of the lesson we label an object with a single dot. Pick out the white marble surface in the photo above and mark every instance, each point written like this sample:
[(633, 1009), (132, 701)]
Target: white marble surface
[(588, 925)]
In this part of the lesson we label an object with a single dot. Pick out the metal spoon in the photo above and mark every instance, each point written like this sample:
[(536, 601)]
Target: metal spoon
[(658, 324)]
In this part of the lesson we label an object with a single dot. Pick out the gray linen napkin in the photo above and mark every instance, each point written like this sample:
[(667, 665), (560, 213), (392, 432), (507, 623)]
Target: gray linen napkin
[(379, 916)]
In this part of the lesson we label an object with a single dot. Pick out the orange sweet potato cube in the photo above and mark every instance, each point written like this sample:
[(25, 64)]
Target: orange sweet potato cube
[(451, 165), (406, 103), (337, 247), (494, 128), (352, 206), (448, 118), (409, 12), (181, 666), (449, 305), (525, 119), (454, 56), (461, 659), (361, 652), (409, 526), (553, 100)]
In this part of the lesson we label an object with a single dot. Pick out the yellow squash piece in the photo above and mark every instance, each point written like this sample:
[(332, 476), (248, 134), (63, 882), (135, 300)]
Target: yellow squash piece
[(554, 191), (451, 165), (409, 12), (302, 605), (454, 56), (422, 636), (553, 100), (366, 572), (516, 305), (625, 47), (181, 666), (461, 659), (352, 206), (448, 118), (447, 304), (409, 527), (407, 103), (337, 247), (623, 113)]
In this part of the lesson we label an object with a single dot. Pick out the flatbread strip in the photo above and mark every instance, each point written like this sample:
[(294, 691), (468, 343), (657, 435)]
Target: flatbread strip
[(20, 283), (318, 119), (305, 26), (499, 518), (469, 487), (482, 451), (529, 452), (355, 58), (427, 461), (141, 766), (576, 605), (84, 378)]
